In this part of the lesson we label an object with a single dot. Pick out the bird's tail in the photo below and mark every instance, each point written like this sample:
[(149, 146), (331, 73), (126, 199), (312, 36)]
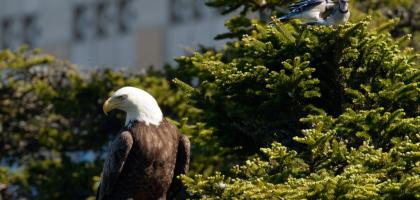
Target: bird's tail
[(314, 23), (287, 17)]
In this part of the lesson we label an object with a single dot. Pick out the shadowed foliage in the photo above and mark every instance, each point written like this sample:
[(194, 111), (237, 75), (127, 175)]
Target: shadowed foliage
[(285, 111)]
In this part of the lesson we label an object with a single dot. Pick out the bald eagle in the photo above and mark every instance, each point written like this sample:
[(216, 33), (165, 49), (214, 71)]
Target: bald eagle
[(147, 155)]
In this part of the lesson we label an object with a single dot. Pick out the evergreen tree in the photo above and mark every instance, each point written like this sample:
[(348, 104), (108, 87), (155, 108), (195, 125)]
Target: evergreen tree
[(406, 11), (284, 111), (334, 110), (53, 134)]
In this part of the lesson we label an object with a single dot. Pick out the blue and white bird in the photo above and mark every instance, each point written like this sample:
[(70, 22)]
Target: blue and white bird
[(339, 15), (310, 10)]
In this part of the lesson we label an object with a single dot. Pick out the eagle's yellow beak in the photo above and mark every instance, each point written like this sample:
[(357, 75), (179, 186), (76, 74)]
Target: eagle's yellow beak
[(108, 106)]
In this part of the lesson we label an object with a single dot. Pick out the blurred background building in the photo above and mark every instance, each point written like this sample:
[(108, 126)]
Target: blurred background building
[(132, 34)]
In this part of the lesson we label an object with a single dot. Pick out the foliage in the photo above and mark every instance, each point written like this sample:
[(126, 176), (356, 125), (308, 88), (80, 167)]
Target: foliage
[(341, 173), (405, 10), (284, 111), (264, 83), (53, 132), (340, 106)]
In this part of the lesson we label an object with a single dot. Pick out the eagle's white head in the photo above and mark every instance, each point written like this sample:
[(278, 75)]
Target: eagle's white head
[(138, 104)]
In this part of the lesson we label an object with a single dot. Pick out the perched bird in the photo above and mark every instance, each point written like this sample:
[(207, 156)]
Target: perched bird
[(339, 15), (146, 155), (308, 10)]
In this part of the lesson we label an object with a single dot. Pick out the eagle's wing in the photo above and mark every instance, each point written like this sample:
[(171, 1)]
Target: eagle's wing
[(113, 166), (177, 190)]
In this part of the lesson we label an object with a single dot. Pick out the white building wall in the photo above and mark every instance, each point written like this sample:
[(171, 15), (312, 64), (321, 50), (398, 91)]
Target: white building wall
[(156, 31), (184, 39)]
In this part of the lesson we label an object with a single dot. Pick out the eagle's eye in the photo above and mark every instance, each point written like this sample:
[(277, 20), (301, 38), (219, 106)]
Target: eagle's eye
[(122, 97)]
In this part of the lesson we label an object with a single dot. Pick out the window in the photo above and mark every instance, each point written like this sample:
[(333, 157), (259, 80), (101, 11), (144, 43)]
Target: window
[(187, 10), (174, 13), (10, 37), (126, 15), (181, 10), (199, 9), (81, 23), (31, 30), (105, 18), (102, 18)]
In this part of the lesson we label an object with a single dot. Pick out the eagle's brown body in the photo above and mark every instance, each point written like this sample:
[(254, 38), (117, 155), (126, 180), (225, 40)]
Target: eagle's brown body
[(144, 161)]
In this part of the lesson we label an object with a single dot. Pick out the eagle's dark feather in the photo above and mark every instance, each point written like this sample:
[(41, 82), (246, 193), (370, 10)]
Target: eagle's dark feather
[(177, 190), (143, 162), (113, 166)]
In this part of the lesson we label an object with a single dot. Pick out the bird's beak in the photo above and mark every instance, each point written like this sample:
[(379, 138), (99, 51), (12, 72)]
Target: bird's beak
[(108, 106)]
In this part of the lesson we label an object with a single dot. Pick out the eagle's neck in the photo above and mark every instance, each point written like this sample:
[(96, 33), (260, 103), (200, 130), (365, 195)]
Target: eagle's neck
[(150, 114)]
